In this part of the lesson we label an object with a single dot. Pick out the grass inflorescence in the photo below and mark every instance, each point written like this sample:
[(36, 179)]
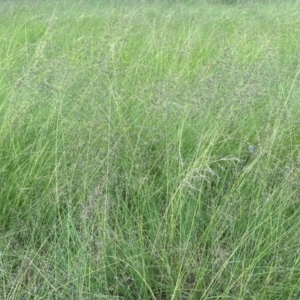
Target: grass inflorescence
[(149, 150)]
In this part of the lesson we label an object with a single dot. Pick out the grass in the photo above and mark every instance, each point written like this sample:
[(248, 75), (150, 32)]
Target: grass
[(124, 164)]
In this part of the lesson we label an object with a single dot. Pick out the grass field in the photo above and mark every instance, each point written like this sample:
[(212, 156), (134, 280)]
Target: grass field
[(149, 150)]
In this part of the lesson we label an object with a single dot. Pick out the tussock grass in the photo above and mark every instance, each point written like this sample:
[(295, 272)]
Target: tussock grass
[(125, 167)]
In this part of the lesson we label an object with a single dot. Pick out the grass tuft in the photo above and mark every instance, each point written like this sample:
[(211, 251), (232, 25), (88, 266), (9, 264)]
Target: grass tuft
[(149, 150)]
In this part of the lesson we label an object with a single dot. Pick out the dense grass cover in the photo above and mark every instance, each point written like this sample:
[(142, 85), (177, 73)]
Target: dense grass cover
[(149, 150)]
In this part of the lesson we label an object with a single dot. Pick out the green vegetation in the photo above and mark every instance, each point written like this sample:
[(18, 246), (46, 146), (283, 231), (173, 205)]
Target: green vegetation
[(125, 166)]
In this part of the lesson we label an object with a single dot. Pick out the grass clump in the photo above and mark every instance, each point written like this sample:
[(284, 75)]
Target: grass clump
[(125, 164)]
